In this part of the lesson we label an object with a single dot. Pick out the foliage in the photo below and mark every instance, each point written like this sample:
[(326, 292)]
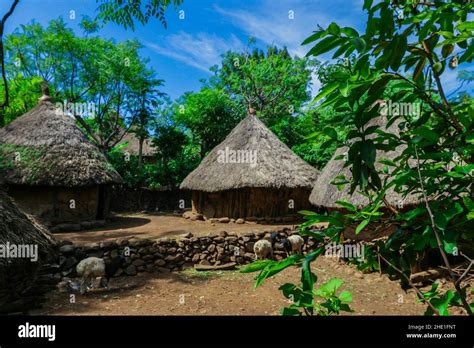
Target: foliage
[(210, 115), (441, 302), (23, 95), (110, 79), (275, 84), (124, 13), (401, 57)]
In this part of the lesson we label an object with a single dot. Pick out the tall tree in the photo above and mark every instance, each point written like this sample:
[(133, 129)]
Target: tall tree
[(2, 56), (105, 75), (210, 115), (401, 58), (272, 82)]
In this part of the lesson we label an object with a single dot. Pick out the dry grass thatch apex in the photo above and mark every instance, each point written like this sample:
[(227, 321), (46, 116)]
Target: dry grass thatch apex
[(46, 147), (250, 156)]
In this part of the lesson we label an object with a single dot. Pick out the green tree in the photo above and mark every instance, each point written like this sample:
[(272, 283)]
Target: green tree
[(210, 115), (2, 56), (272, 82), (109, 77), (405, 50)]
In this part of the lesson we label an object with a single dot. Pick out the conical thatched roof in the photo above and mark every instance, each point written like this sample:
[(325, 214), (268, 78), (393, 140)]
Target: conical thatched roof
[(270, 163), (133, 145), (46, 147), (325, 194), (18, 276)]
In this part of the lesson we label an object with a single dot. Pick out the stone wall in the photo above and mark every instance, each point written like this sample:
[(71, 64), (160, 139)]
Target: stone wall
[(166, 255)]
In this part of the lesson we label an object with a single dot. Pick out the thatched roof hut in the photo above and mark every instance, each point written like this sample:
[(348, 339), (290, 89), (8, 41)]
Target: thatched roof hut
[(325, 194), (48, 160), (21, 279), (133, 145), (251, 173)]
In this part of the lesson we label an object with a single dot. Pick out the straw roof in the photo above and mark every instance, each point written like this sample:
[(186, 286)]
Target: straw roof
[(19, 275), (133, 145), (326, 194), (46, 147), (264, 162)]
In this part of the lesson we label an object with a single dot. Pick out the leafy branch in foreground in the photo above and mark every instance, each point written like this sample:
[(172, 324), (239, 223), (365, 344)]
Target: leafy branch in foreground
[(400, 61)]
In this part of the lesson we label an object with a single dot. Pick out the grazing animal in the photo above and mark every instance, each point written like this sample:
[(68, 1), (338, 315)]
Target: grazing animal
[(293, 243), (262, 249), (93, 267), (89, 269)]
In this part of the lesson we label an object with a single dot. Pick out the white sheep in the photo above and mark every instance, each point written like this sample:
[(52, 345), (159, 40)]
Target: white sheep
[(293, 243), (89, 269), (262, 248)]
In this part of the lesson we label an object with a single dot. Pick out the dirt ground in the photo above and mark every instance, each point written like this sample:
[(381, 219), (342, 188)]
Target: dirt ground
[(157, 226), (229, 293)]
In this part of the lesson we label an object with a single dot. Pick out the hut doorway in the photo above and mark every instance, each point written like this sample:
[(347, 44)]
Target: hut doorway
[(101, 205)]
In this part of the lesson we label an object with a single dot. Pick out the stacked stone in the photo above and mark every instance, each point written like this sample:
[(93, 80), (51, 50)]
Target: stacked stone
[(166, 255)]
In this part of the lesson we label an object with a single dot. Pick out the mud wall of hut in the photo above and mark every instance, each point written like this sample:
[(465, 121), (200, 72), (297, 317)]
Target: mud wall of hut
[(53, 205), (124, 199), (250, 202)]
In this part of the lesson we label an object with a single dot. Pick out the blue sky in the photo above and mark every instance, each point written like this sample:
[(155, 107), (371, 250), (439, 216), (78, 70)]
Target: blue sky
[(183, 53)]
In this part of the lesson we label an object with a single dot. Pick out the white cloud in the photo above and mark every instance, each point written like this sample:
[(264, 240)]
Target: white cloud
[(271, 22), (201, 50)]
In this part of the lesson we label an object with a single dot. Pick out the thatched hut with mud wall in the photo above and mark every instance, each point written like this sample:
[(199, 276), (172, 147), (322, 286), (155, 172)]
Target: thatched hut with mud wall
[(250, 174), (325, 194), (24, 279), (52, 170)]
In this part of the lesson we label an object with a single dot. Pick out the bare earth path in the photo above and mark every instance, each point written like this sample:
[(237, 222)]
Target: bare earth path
[(158, 226), (229, 293)]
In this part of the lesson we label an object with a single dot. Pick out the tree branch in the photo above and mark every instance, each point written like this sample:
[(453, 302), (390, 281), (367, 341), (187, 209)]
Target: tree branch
[(438, 238), (2, 54), (420, 294)]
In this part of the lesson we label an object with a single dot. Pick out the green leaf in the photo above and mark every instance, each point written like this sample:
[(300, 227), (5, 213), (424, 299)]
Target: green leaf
[(334, 29), (325, 91), (362, 225), (351, 32), (347, 205), (256, 266), (330, 132), (324, 46), (359, 44), (287, 311), (316, 36), (345, 296), (329, 288), (427, 133), (276, 267), (399, 48), (344, 89)]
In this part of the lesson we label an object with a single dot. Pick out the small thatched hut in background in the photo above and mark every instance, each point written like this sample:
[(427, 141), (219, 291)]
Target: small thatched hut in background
[(250, 174), (23, 281), (133, 146), (52, 170), (326, 194)]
